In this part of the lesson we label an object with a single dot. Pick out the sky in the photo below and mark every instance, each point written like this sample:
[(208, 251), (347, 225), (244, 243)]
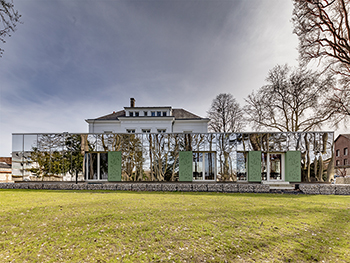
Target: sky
[(71, 60)]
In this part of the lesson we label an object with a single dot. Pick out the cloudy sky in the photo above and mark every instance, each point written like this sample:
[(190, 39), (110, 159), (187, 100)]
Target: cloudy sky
[(72, 60)]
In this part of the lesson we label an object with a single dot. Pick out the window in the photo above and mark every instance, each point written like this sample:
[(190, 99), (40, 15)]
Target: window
[(345, 161), (337, 153), (241, 166), (136, 114), (96, 166), (345, 151), (159, 113), (161, 130), (204, 165), (153, 113), (337, 163), (145, 113), (146, 130), (164, 113), (130, 130), (271, 166), (131, 114)]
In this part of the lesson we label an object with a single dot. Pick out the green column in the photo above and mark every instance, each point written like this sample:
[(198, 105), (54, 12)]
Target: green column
[(185, 166), (254, 166), (293, 166), (114, 166)]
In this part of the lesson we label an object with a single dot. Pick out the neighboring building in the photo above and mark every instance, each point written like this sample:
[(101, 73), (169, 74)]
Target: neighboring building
[(149, 120), (5, 169), (342, 154), (269, 157)]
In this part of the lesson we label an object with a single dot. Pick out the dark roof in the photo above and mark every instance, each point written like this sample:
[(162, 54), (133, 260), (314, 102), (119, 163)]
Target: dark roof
[(112, 116), (345, 135), (184, 114), (179, 114)]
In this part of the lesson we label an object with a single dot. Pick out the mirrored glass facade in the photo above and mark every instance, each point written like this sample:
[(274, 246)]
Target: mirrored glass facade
[(218, 157)]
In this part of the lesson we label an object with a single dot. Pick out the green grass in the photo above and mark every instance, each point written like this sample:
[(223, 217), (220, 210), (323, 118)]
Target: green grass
[(92, 226)]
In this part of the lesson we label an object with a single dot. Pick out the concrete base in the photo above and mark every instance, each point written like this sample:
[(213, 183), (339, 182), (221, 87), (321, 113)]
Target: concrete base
[(275, 185)]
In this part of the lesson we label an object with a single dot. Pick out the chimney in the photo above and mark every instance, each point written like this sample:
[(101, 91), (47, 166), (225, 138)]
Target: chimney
[(132, 102)]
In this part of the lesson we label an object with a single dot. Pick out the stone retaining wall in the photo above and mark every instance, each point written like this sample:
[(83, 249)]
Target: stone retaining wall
[(324, 189), (169, 187)]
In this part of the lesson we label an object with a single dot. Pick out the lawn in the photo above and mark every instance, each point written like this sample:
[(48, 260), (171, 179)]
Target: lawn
[(96, 226)]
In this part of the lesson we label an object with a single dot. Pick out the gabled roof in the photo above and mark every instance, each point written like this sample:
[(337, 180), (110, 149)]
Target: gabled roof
[(178, 114), (347, 136), (184, 114), (112, 116)]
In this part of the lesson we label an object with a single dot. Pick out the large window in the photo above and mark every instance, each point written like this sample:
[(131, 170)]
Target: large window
[(241, 166), (96, 165), (345, 151), (204, 166), (272, 166), (337, 153)]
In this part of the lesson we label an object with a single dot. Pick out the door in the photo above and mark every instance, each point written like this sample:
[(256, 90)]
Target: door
[(204, 166), (272, 166)]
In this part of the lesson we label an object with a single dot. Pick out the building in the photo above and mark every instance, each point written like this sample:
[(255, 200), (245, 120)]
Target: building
[(148, 120), (268, 157), (5, 169), (342, 155)]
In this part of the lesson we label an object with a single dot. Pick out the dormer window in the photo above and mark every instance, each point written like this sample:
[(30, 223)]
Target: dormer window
[(153, 113), (159, 113), (161, 130), (130, 130), (131, 114), (164, 113)]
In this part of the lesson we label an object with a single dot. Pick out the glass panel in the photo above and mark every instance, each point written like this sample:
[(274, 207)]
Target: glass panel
[(197, 166), (30, 142), (241, 166), (209, 166), (275, 166), (255, 142), (264, 166), (91, 140), (17, 142), (104, 166), (92, 166)]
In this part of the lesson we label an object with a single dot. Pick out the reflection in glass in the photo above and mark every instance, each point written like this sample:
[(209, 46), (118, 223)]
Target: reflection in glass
[(91, 164), (241, 166), (264, 166), (197, 166), (209, 166), (104, 166), (275, 166)]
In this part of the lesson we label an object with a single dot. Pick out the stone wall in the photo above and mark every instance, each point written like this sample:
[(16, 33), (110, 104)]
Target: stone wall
[(324, 189), (169, 187)]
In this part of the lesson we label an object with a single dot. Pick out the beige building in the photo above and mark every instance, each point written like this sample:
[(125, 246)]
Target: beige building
[(5, 169)]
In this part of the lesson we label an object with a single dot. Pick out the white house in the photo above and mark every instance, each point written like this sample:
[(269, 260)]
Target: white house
[(149, 120)]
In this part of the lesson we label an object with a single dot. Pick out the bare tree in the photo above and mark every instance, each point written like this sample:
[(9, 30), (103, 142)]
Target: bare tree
[(323, 29), (9, 18), (294, 100), (225, 114)]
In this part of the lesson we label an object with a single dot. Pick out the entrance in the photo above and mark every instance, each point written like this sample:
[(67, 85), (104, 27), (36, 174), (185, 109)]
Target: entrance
[(96, 166), (204, 166), (272, 166)]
